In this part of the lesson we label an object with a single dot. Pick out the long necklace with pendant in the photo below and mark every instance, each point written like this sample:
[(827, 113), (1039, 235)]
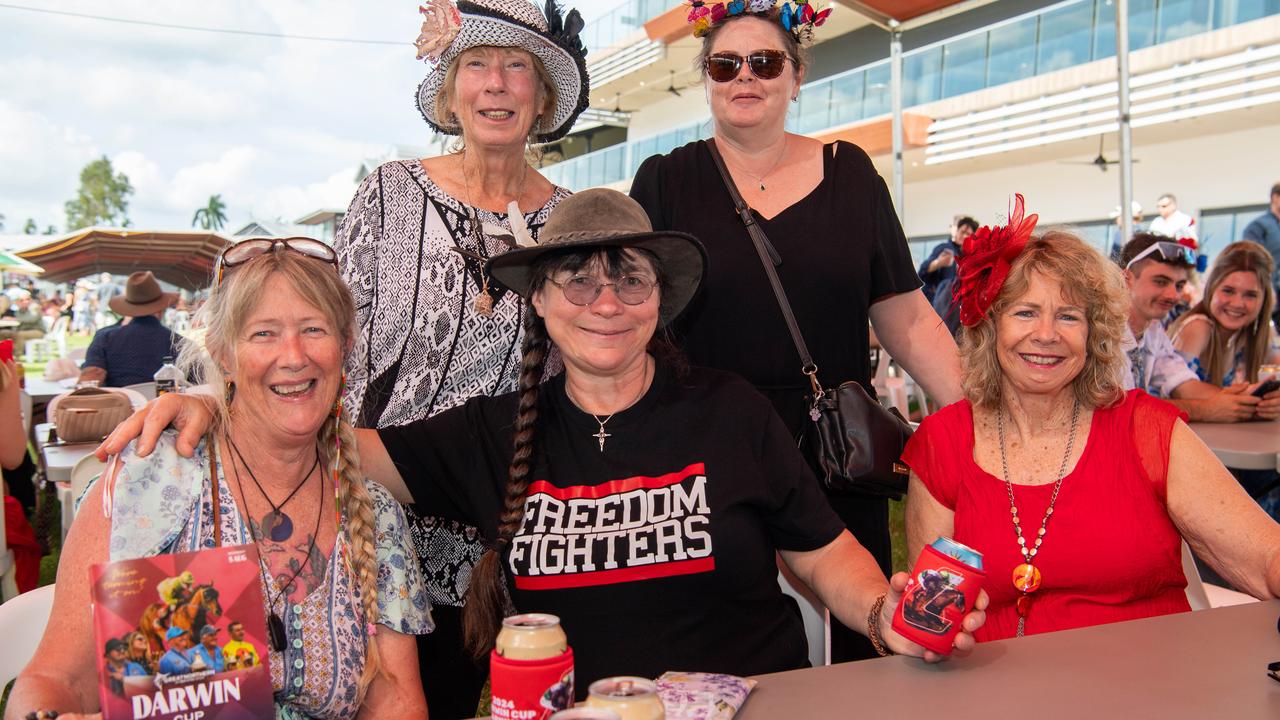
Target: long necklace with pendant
[(1026, 577), (761, 178), (600, 434), (277, 524), (484, 301)]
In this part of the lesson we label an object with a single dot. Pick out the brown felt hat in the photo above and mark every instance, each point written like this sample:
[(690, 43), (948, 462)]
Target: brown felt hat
[(602, 218), (142, 296)]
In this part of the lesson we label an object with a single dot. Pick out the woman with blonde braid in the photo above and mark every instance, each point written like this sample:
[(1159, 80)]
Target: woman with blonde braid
[(641, 501), (278, 324)]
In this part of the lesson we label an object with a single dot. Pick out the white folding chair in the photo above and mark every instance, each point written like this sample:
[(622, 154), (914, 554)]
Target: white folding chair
[(1202, 595), (86, 469), (22, 622), (816, 617)]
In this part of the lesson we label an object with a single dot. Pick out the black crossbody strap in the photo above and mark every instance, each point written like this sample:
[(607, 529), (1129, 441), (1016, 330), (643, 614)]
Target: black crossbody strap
[(768, 258)]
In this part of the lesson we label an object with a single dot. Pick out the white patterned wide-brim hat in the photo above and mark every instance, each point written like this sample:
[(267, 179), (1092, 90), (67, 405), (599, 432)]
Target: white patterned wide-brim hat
[(507, 23)]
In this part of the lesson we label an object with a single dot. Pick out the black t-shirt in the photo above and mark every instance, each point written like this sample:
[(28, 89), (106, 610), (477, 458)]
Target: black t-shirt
[(842, 249), (657, 553)]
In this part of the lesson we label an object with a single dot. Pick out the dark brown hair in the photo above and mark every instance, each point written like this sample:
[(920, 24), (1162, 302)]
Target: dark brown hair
[(1143, 240)]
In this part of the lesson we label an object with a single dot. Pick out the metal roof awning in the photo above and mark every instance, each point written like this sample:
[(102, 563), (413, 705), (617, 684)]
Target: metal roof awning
[(183, 259), (11, 263)]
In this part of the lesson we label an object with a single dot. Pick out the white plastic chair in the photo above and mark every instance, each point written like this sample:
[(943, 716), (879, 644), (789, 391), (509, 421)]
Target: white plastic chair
[(816, 617), (25, 403), (86, 469), (22, 622)]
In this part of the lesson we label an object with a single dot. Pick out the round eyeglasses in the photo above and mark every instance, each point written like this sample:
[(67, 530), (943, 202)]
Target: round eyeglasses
[(764, 64), (246, 250), (583, 289)]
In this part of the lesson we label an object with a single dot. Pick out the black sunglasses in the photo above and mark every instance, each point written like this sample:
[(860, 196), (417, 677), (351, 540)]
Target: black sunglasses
[(764, 64), (246, 250)]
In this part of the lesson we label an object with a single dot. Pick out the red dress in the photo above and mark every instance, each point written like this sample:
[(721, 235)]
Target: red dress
[(1110, 553)]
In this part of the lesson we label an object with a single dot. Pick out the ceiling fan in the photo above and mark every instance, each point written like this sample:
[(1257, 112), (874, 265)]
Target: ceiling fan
[(671, 87), (1101, 162)]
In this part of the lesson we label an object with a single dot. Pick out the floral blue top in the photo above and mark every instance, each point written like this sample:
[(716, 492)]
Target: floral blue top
[(163, 504)]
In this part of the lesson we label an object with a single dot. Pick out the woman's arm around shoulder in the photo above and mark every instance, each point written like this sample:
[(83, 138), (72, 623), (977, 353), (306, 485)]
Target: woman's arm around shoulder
[(13, 441), (63, 673), (1221, 523)]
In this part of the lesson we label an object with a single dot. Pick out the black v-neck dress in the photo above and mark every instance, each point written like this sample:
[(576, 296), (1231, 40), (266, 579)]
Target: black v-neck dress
[(842, 249)]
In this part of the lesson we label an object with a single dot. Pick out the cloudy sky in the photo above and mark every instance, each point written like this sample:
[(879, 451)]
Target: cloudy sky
[(275, 125)]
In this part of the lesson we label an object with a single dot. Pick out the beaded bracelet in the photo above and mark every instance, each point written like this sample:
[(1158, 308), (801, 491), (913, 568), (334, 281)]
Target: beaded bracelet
[(873, 628), (42, 715)]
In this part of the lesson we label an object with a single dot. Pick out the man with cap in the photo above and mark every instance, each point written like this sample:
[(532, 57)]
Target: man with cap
[(132, 352), (207, 655), (119, 666), (177, 660)]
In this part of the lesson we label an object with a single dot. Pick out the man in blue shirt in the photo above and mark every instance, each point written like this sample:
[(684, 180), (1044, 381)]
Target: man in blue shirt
[(131, 353), (207, 655), (177, 661), (940, 267), (1265, 230)]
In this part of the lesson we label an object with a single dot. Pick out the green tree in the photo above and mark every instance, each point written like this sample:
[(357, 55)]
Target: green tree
[(103, 198), (51, 230), (211, 216), (30, 228)]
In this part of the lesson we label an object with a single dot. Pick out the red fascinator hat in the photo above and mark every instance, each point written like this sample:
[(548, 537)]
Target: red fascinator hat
[(985, 261)]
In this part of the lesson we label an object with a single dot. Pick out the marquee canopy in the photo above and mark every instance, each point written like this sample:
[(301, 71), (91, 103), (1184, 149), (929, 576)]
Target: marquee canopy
[(184, 259)]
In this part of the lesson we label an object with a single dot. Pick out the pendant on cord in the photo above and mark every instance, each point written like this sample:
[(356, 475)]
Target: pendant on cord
[(1026, 578), (484, 301), (277, 525), (275, 628)]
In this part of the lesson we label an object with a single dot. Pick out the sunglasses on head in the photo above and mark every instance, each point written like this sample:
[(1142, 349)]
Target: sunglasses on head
[(246, 250), (764, 64), (1168, 251)]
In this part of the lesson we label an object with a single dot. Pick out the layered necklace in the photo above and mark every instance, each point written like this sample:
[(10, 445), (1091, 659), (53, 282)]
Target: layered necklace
[(600, 434), (1026, 577), (275, 626), (277, 524), (484, 301)]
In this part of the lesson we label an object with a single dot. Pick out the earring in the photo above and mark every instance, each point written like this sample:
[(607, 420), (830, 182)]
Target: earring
[(229, 392)]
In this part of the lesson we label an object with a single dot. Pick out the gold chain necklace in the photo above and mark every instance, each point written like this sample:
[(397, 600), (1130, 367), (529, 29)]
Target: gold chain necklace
[(484, 301), (1026, 577)]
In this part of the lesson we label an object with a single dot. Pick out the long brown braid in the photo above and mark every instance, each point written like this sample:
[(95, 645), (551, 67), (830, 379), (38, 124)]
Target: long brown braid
[(486, 596)]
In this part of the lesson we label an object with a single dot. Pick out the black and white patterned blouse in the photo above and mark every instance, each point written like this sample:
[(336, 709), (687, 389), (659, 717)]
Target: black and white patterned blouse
[(420, 346)]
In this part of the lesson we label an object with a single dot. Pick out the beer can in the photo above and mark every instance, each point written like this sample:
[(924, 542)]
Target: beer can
[(530, 669), (943, 587), (533, 636), (586, 713), (632, 698)]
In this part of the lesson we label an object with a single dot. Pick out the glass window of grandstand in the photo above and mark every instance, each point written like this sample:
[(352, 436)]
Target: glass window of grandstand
[(846, 98), (1012, 51), (1182, 18), (921, 75), (964, 65), (1066, 37), (1222, 226), (813, 112), (877, 96)]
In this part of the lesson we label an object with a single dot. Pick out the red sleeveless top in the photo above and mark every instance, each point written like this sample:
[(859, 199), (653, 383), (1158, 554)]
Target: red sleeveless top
[(1110, 553)]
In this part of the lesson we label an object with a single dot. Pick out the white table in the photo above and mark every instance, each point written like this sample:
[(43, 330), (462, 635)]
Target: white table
[(42, 391), (1246, 445), (58, 462)]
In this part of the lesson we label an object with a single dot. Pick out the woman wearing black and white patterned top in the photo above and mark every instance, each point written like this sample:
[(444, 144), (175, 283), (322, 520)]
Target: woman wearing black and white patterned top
[(433, 329)]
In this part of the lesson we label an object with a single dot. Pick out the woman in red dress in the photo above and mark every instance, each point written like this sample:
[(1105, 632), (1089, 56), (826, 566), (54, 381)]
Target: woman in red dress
[(1077, 494)]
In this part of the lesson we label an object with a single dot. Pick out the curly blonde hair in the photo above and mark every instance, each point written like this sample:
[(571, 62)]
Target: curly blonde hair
[(1087, 280), (224, 316)]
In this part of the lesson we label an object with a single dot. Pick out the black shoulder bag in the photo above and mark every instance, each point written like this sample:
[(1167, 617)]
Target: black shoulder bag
[(857, 441)]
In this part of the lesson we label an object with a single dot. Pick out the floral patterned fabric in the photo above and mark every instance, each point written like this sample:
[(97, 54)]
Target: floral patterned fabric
[(164, 504)]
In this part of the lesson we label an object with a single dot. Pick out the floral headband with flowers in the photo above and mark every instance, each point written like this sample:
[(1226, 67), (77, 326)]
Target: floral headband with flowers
[(799, 20), (985, 261)]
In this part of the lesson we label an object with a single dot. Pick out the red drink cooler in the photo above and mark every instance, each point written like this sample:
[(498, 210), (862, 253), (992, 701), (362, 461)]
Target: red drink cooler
[(941, 590), (530, 689)]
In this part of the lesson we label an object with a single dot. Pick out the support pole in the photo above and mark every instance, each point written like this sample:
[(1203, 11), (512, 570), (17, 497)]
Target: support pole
[(895, 100), (1126, 138)]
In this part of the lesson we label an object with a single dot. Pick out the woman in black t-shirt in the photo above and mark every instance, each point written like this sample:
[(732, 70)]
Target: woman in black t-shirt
[(830, 218), (640, 502)]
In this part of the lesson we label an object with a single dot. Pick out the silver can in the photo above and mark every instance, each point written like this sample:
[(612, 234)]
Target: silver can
[(533, 636), (632, 698)]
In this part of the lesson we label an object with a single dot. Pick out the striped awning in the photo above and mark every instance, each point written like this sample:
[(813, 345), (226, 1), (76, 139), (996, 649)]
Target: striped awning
[(10, 262), (184, 259)]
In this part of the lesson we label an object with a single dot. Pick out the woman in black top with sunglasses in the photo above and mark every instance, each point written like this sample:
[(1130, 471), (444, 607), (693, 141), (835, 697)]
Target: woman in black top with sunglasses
[(830, 217)]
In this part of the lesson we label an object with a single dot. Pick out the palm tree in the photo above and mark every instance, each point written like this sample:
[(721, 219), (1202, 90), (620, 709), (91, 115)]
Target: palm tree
[(211, 216)]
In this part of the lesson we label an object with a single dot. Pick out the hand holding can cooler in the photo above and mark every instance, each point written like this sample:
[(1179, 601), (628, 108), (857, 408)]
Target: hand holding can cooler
[(943, 587)]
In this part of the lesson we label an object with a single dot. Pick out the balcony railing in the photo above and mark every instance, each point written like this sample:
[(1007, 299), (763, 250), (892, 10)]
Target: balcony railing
[(630, 16), (1052, 38)]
